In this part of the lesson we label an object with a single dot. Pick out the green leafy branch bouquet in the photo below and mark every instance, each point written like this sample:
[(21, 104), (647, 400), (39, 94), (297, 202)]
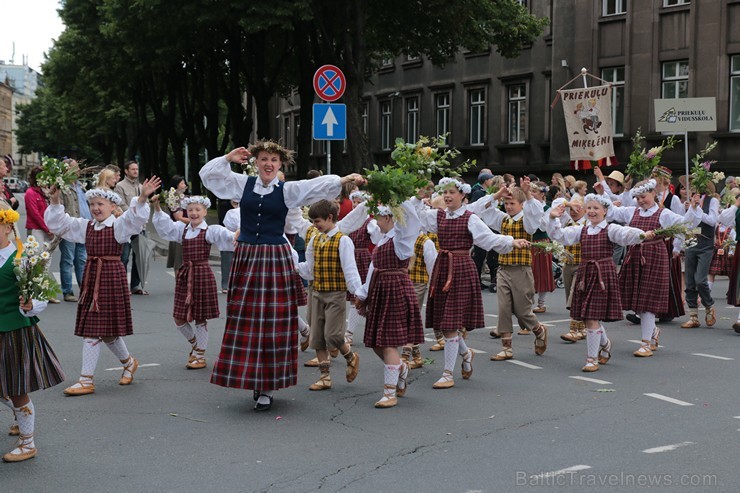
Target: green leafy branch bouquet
[(428, 156), (701, 174), (681, 230), (643, 161), (55, 172), (390, 186), (172, 199), (30, 268)]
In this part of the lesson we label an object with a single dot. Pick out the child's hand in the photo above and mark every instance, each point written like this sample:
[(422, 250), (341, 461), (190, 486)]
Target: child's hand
[(521, 244), (557, 211), (354, 177), (149, 187), (599, 188), (598, 174), (524, 184), (696, 200), (617, 203), (649, 235), (27, 306), (239, 155), (117, 212), (155, 203)]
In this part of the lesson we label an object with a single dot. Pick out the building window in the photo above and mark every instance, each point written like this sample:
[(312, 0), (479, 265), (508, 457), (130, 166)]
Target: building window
[(412, 58), (523, 3), (735, 93), (412, 119), (615, 75), (386, 62), (477, 112), (517, 117), (386, 114), (296, 129), (675, 83), (613, 7), (673, 3), (442, 113), (365, 117), (286, 132)]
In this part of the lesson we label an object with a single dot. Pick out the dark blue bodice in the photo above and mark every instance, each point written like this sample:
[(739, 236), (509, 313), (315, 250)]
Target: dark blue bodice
[(262, 216)]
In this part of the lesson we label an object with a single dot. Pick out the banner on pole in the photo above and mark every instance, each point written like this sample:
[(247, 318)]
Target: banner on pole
[(588, 121)]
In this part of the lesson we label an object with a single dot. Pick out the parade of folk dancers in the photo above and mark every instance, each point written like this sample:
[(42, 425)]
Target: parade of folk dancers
[(390, 255)]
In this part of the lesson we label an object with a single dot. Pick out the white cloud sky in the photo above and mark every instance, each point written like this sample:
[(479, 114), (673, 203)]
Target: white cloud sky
[(33, 25)]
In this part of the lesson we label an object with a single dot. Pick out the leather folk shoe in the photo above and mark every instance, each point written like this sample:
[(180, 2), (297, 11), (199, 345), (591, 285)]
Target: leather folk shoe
[(129, 369), (80, 388), (711, 317), (691, 323), (353, 367)]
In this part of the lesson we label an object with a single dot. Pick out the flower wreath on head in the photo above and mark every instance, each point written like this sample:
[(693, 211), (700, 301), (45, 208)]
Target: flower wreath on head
[(384, 210), (196, 199), (598, 198), (104, 194), (644, 188), (9, 216), (446, 182), (359, 194)]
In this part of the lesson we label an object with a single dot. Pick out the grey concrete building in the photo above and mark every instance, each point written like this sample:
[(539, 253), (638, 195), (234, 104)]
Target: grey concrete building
[(498, 110)]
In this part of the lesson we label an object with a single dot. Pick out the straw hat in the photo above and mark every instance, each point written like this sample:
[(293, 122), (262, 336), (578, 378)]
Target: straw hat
[(616, 176)]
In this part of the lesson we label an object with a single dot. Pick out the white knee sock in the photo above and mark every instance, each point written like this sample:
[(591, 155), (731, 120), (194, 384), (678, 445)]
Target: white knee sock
[(738, 316), (462, 348), (26, 417), (118, 347), (390, 377), (355, 321), (647, 323), (187, 331), (201, 336), (710, 283), (303, 327), (90, 355), (452, 346), (593, 341), (603, 339)]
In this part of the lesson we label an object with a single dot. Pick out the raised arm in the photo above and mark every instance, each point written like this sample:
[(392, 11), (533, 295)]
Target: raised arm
[(217, 177), (166, 228)]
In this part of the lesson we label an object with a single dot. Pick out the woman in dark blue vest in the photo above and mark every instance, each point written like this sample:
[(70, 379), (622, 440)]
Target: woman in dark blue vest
[(260, 345)]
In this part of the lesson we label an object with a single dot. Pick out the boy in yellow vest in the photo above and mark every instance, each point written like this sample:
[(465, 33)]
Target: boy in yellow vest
[(514, 278), (330, 263)]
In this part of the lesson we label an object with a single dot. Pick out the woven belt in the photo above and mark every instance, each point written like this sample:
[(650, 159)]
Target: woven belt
[(186, 271), (638, 248), (436, 271), (597, 263), (96, 286)]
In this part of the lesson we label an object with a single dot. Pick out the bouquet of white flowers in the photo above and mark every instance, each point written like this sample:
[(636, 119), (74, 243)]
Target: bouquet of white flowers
[(34, 280), (56, 173), (556, 249), (172, 199)]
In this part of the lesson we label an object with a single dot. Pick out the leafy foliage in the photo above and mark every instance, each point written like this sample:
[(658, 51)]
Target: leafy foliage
[(643, 161), (701, 174)]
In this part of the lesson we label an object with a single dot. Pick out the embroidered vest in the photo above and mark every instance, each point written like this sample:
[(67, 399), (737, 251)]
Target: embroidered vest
[(327, 266), (262, 216), (518, 256), (10, 315)]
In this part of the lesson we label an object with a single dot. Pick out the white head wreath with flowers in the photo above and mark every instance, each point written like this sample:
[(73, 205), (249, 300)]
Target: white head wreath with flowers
[(360, 195), (104, 194), (644, 188), (447, 181), (598, 198), (384, 210), (196, 199)]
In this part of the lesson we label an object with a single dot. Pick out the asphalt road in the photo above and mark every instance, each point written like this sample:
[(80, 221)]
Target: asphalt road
[(670, 422)]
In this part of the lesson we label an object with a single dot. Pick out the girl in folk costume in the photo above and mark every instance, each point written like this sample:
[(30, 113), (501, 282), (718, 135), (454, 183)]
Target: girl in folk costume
[(724, 252), (196, 294), (730, 217), (575, 215), (104, 309), (260, 345), (27, 361), (420, 270), (389, 301), (596, 295), (363, 246), (644, 277), (454, 301), (544, 282)]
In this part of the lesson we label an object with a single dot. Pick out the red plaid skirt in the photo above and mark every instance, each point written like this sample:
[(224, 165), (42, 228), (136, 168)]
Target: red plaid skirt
[(721, 264), (675, 296), (590, 300), (544, 282), (461, 306), (644, 279), (200, 303), (260, 345)]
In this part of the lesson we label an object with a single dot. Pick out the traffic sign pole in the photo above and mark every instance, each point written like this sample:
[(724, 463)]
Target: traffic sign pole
[(328, 157)]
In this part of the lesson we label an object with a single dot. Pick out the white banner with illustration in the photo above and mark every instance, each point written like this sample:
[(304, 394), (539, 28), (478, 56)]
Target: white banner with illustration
[(588, 120)]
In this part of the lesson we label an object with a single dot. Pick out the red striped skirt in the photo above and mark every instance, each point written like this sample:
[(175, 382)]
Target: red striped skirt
[(544, 282), (721, 264), (196, 295), (260, 345), (392, 311), (461, 307), (596, 292), (27, 362), (644, 278)]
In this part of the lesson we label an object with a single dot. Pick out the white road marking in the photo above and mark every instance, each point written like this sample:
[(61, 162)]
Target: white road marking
[(140, 366), (429, 339), (592, 380), (477, 351), (669, 399), (525, 365), (640, 342), (581, 467), (713, 356), (666, 448)]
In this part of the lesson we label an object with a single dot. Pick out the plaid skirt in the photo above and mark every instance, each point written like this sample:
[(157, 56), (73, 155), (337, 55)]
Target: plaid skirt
[(200, 302), (733, 292), (590, 299), (392, 312), (27, 362), (675, 295), (644, 279), (544, 282), (302, 297), (461, 306), (721, 264), (259, 350), (112, 315)]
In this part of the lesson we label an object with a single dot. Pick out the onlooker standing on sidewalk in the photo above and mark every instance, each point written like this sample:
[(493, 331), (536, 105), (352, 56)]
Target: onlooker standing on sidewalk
[(127, 189), (5, 194), (73, 255)]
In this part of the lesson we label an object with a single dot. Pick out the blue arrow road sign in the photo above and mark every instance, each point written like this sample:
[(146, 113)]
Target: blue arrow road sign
[(329, 121)]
